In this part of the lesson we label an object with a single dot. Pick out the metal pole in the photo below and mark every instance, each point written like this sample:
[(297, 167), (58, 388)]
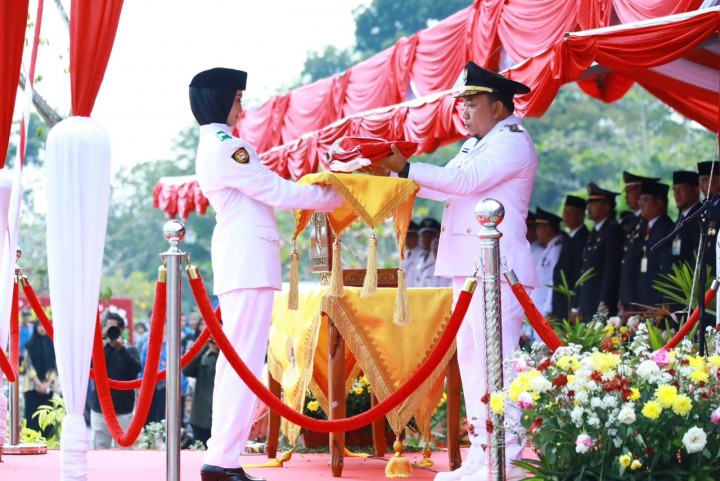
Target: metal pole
[(490, 213), (174, 232)]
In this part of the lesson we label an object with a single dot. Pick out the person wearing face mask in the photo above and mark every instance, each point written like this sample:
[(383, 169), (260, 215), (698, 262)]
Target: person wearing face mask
[(498, 161), (245, 254)]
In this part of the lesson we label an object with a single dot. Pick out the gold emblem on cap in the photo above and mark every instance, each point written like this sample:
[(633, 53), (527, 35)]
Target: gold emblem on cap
[(241, 156)]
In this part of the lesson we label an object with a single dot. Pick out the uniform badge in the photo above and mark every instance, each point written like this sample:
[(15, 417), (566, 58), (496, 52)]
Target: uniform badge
[(222, 136), (241, 156), (516, 128)]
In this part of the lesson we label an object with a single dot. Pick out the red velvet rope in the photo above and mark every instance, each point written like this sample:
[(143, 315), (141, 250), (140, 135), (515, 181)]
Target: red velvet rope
[(114, 383), (10, 366), (537, 321), (690, 323), (336, 425)]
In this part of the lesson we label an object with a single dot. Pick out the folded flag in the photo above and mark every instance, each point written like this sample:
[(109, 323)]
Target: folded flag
[(349, 154)]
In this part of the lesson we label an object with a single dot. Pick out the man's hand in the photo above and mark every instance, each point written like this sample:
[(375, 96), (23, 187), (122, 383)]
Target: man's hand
[(395, 162)]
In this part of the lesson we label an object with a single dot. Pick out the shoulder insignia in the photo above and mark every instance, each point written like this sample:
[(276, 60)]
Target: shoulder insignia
[(515, 128), (222, 136), (465, 150), (241, 156)]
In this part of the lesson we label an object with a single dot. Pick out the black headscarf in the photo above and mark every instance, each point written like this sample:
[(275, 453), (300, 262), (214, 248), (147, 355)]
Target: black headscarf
[(42, 353), (211, 105)]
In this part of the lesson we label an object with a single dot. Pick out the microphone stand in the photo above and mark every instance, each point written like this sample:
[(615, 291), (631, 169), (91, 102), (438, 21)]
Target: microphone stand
[(698, 216)]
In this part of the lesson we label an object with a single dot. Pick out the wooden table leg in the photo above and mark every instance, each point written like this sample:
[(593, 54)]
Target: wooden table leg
[(273, 421), (453, 412), (378, 432), (336, 395)]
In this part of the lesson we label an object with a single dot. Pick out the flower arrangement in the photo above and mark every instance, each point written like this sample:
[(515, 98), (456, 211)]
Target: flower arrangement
[(632, 414)]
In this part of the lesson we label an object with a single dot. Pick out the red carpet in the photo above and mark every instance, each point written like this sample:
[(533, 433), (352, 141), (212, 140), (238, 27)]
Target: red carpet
[(116, 465)]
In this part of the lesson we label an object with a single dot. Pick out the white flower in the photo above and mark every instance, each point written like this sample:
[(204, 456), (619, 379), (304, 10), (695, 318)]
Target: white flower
[(519, 364), (596, 403), (694, 440), (614, 321), (594, 421), (648, 370), (577, 416), (627, 414), (610, 401), (539, 384), (581, 397)]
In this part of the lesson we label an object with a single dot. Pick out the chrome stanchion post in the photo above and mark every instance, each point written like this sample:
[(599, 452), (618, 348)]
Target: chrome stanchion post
[(490, 213), (174, 232), (15, 447)]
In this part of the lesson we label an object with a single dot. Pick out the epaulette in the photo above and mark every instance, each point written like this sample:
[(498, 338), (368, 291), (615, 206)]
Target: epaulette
[(222, 136), (515, 128)]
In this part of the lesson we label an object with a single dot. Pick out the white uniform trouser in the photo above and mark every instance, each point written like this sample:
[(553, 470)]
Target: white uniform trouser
[(471, 359), (246, 315)]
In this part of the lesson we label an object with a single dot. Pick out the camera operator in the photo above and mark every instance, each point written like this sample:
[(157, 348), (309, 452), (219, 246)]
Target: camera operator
[(123, 364)]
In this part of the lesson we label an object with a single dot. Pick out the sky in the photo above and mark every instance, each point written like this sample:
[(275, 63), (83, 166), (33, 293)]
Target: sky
[(161, 44)]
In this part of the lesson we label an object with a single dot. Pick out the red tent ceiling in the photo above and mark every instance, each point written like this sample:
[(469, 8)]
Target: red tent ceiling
[(676, 58)]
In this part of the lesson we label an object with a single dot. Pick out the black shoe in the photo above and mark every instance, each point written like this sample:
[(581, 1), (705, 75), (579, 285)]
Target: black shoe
[(216, 473)]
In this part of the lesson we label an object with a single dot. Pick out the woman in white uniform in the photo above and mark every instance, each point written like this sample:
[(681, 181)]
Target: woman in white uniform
[(245, 254)]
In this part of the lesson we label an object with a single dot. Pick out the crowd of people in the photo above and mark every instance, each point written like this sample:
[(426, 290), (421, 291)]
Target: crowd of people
[(619, 252)]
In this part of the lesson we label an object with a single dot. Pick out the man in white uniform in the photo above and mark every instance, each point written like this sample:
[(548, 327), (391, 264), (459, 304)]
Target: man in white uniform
[(245, 254), (499, 162), (547, 227)]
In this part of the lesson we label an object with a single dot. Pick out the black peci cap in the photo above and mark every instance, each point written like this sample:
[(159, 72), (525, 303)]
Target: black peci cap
[(220, 78), (544, 217), (575, 201), (479, 80), (686, 177), (656, 189), (705, 168)]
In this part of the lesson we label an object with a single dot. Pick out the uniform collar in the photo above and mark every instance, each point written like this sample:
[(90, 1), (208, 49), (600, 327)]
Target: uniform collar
[(214, 128), (501, 125)]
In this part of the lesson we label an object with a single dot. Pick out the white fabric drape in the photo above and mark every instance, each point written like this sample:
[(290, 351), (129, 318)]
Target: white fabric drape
[(6, 285), (78, 173)]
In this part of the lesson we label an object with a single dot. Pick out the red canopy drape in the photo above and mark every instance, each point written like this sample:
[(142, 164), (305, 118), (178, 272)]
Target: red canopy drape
[(93, 24), (13, 20)]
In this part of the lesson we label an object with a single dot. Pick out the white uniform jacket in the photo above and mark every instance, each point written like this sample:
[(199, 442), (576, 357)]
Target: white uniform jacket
[(542, 296), (501, 166), (244, 193)]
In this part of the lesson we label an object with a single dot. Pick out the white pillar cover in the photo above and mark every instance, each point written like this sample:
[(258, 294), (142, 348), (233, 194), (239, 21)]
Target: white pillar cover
[(6, 275), (78, 173)]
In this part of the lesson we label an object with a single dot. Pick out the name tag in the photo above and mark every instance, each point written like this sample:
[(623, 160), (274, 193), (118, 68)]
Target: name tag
[(643, 264), (676, 246)]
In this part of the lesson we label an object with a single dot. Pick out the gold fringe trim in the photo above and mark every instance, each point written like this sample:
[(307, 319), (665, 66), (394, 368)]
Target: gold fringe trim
[(336, 275), (382, 385), (293, 295), (273, 463), (370, 283), (349, 454), (426, 462), (401, 314), (398, 467)]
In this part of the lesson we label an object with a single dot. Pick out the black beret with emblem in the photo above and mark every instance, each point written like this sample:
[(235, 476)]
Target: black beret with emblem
[(705, 168), (656, 189), (429, 224), (597, 193), (220, 78), (632, 180), (548, 218), (686, 177), (575, 201), (478, 80)]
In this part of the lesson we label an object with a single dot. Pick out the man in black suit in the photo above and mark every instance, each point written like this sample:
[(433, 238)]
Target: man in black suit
[(602, 253), (686, 190), (570, 260), (710, 186), (630, 218), (653, 264)]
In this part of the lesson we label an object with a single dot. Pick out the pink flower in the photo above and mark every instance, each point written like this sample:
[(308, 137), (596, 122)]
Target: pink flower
[(525, 401), (519, 365), (583, 443), (661, 357), (715, 416)]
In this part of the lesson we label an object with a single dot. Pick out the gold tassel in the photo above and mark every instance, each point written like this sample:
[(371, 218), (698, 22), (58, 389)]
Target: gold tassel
[(426, 462), (293, 296), (399, 466), (349, 454), (273, 463), (336, 275), (401, 314), (371, 281)]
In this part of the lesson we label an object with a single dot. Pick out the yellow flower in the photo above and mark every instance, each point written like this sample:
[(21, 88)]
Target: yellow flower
[(443, 399), (364, 381), (682, 405), (699, 376), (313, 406), (665, 395), (635, 394), (672, 356), (697, 363), (497, 402), (358, 390), (609, 330), (604, 362), (625, 460), (652, 410), (568, 363), (714, 361), (623, 329), (635, 465)]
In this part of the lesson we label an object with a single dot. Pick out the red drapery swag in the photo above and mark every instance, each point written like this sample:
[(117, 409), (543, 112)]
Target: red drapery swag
[(13, 20), (93, 24)]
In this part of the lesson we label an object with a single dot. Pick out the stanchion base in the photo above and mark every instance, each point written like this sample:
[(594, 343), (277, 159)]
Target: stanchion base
[(24, 448)]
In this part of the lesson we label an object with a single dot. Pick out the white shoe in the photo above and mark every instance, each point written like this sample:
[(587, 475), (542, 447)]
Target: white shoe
[(512, 473), (469, 467)]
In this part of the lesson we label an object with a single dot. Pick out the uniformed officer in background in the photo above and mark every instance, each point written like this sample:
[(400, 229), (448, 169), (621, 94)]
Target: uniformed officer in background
[(498, 161), (552, 238), (709, 175), (686, 190), (658, 225), (412, 253), (602, 253), (633, 182), (570, 260)]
